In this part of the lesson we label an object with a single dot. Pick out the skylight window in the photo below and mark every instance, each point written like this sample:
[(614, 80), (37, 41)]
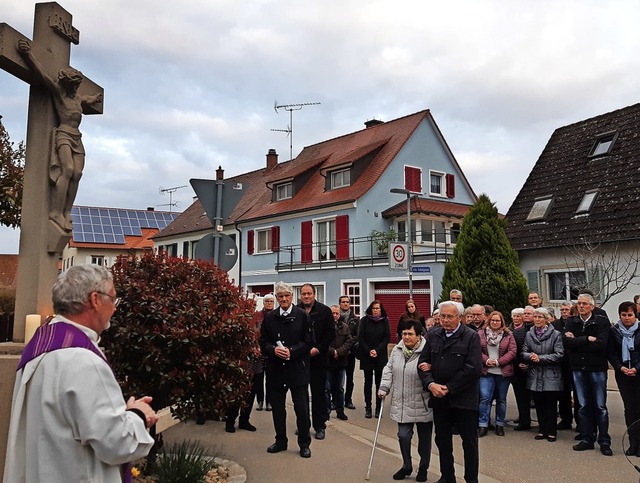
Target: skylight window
[(587, 202), (604, 144), (540, 209)]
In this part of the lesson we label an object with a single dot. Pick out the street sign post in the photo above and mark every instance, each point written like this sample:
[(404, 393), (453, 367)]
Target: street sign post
[(421, 269)]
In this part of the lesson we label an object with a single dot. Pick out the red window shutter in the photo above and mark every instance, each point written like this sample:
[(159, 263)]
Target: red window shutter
[(451, 186), (306, 255), (275, 238), (413, 179), (342, 237), (250, 242)]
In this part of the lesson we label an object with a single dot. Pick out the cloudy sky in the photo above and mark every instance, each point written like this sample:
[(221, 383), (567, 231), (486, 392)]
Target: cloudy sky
[(191, 85)]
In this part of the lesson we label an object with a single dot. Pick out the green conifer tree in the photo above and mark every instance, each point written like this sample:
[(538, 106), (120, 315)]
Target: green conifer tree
[(483, 264)]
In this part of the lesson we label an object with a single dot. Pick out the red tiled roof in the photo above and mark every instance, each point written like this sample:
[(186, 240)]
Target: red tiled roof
[(389, 137), (428, 207)]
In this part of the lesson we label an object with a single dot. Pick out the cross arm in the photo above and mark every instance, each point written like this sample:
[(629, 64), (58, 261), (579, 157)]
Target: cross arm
[(12, 62)]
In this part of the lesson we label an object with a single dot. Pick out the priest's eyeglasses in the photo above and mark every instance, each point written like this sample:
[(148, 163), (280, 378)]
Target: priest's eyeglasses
[(116, 300)]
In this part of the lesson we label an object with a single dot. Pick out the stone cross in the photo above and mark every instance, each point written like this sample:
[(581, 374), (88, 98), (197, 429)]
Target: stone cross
[(44, 235)]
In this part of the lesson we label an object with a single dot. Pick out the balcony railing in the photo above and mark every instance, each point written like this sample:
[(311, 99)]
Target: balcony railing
[(356, 252)]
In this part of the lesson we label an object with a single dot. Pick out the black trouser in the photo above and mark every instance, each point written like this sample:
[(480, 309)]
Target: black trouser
[(351, 367), (523, 397), (466, 422), (405, 435), (300, 398), (368, 382), (547, 411), (319, 409), (245, 412), (564, 396), (258, 382), (630, 393)]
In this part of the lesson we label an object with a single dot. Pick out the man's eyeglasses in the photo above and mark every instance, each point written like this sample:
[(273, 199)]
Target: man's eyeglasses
[(116, 300)]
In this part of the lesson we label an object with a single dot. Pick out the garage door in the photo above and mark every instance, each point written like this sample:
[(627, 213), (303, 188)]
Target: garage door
[(393, 296)]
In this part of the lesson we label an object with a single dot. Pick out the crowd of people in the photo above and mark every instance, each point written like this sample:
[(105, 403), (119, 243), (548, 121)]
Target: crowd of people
[(448, 371)]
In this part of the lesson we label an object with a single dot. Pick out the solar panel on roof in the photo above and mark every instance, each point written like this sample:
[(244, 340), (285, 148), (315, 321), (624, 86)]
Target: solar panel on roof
[(111, 225)]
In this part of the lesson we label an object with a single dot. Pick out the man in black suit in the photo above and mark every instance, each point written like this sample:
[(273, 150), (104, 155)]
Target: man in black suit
[(285, 339), (452, 376), (324, 329)]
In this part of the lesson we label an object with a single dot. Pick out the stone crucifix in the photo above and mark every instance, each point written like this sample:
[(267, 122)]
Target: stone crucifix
[(58, 97)]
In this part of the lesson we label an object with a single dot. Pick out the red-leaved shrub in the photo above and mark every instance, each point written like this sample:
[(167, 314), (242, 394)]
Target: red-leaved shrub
[(181, 334)]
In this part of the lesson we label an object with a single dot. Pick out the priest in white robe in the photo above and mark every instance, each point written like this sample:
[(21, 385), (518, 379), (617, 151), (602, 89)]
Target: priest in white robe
[(69, 420)]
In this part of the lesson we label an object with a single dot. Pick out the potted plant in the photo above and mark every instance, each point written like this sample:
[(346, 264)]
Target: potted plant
[(381, 239)]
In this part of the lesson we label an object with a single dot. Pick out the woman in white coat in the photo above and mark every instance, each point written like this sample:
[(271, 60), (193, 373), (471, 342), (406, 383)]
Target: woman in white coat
[(409, 401)]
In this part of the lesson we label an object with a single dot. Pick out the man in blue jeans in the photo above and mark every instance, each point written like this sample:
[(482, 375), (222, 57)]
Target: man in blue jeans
[(586, 339)]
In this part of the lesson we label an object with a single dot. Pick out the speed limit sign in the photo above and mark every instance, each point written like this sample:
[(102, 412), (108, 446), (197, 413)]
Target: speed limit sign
[(398, 256)]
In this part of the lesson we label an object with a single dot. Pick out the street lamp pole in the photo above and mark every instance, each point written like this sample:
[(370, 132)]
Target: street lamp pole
[(401, 191)]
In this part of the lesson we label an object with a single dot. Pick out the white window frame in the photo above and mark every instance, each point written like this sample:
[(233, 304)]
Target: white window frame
[(338, 178), (266, 231), (284, 191), (99, 260), (587, 202), (443, 183), (353, 290), (330, 243), (540, 209), (567, 284)]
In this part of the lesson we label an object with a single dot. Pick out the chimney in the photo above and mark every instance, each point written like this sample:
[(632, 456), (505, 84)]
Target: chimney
[(272, 159), (150, 208), (372, 122), (219, 173)]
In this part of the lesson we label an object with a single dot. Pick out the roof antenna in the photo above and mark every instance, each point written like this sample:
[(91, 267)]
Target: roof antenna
[(289, 130), (170, 191)]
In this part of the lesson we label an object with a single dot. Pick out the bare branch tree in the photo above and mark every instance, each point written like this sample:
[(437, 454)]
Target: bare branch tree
[(609, 268)]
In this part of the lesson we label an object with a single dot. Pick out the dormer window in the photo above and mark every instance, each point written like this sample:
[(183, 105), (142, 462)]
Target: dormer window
[(340, 179), (587, 202), (540, 209), (603, 145), (284, 191)]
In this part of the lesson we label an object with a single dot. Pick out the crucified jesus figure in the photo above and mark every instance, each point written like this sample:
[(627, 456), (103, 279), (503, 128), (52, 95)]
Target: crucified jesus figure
[(66, 165)]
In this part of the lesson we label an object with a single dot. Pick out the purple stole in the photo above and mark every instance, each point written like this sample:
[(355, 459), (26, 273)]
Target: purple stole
[(61, 335), (51, 337)]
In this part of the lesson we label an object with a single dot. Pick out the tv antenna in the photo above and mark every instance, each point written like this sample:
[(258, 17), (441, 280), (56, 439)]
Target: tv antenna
[(289, 130), (170, 191)]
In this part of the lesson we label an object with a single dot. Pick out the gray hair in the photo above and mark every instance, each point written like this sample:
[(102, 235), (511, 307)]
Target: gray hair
[(455, 291), (73, 287), (449, 303), (545, 313), (269, 296), (518, 310), (283, 287), (566, 304), (588, 298)]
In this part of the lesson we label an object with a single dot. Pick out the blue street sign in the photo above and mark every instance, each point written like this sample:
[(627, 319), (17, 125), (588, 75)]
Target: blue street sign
[(421, 269)]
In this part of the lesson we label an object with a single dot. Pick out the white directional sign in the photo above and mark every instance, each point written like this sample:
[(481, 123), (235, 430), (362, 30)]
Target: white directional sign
[(398, 256)]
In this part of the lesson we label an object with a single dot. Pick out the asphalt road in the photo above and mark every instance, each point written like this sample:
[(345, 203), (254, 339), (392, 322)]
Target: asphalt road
[(344, 455)]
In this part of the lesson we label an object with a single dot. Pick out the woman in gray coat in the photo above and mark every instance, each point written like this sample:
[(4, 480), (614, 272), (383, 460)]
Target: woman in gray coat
[(543, 351), (408, 399)]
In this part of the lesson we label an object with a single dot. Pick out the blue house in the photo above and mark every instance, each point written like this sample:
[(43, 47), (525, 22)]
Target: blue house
[(326, 216)]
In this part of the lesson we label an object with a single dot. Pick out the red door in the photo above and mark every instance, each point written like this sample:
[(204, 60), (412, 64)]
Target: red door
[(393, 296)]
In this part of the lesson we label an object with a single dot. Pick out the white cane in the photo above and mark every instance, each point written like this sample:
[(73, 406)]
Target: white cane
[(375, 440)]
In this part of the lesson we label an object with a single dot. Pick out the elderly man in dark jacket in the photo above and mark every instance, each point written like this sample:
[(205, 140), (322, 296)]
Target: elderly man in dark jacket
[(586, 337), (285, 339), (452, 375)]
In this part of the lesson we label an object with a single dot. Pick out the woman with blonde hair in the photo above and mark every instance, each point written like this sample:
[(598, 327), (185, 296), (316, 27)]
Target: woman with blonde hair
[(498, 353)]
